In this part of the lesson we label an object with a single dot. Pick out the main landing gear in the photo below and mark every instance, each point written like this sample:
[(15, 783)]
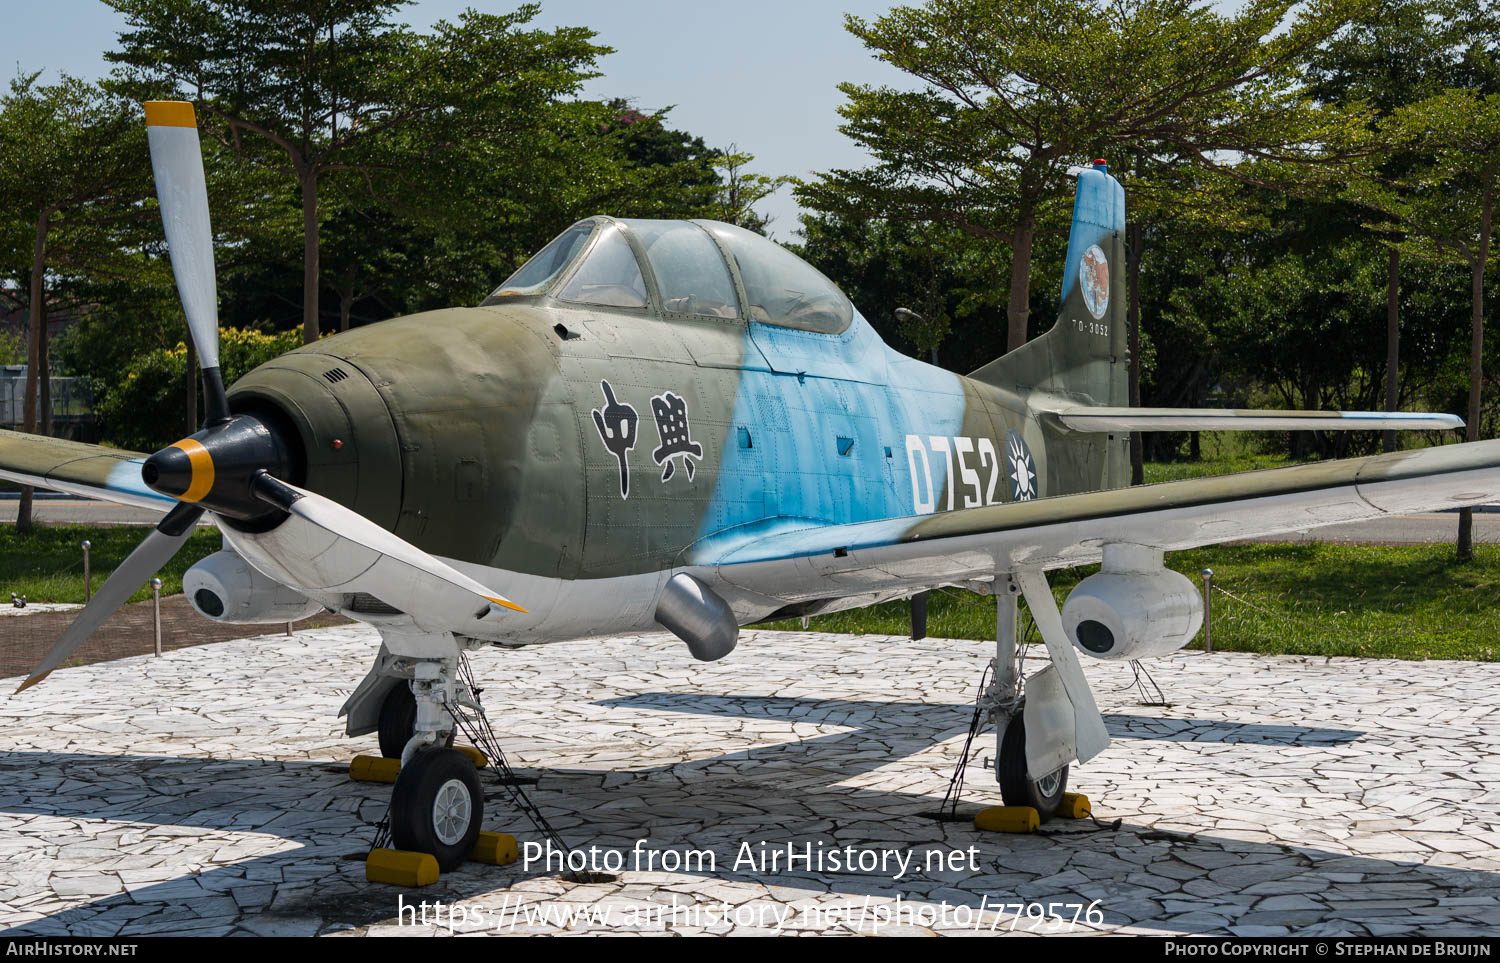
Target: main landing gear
[(1017, 788), (1042, 722), (1004, 701)]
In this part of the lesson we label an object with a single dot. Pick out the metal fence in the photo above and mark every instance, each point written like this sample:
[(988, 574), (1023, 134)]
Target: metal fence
[(72, 398)]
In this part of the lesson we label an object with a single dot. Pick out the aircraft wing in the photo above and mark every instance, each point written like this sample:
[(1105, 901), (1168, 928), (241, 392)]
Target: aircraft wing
[(800, 561), (1091, 418), (92, 471)]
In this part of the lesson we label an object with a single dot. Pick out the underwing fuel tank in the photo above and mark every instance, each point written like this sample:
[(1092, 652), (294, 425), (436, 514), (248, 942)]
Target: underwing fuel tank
[(1133, 608), (225, 588)]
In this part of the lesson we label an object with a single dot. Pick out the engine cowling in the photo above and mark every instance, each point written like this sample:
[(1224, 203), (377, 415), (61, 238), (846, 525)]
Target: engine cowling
[(225, 588), (1133, 608)]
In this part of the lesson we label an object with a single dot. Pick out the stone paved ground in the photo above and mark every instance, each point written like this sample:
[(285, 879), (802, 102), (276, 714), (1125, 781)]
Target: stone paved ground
[(203, 792)]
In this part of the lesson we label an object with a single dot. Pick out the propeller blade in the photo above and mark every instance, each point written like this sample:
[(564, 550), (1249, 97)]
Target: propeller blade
[(148, 557), (177, 163), (332, 548)]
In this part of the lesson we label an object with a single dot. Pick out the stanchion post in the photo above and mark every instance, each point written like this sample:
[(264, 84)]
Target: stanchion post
[(289, 628), (156, 611), (88, 581), (1208, 609)]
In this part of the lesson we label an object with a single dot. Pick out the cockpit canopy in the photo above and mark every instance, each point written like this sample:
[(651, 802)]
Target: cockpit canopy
[(705, 269)]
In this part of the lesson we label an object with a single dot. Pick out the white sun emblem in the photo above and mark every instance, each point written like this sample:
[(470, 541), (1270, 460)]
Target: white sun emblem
[(1022, 469)]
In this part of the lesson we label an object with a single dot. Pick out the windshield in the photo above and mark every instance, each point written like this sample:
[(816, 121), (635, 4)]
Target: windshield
[(608, 275), (537, 274)]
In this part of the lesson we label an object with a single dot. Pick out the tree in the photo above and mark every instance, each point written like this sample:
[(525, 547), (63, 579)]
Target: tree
[(1445, 207), (334, 86), (1015, 91), (743, 189), (1395, 53), (76, 169)]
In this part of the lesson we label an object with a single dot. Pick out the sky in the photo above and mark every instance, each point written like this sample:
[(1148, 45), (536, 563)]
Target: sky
[(762, 76)]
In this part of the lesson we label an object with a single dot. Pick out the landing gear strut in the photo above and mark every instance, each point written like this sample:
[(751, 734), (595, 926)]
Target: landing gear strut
[(398, 720)]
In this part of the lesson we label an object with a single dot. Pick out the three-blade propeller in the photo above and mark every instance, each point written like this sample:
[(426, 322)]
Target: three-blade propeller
[(237, 464)]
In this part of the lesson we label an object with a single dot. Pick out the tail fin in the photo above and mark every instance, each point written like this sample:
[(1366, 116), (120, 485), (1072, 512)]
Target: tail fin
[(1083, 358)]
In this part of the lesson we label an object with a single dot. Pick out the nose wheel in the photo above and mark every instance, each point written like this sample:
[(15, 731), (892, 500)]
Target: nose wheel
[(437, 806), (1017, 787)]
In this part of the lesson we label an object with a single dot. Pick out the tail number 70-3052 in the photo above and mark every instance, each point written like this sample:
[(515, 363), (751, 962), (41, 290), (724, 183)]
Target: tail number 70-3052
[(955, 457)]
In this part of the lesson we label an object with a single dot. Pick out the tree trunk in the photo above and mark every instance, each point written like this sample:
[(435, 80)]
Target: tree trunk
[(308, 177), (1135, 246), (346, 305), (1476, 352), (35, 320), (44, 374), (1018, 311), (1392, 343)]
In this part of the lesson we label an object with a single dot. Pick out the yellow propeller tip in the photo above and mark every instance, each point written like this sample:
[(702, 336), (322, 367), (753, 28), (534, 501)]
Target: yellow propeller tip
[(33, 680), (506, 603), (170, 113)]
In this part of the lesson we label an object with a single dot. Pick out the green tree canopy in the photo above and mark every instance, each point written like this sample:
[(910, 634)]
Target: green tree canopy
[(1013, 92), (336, 86)]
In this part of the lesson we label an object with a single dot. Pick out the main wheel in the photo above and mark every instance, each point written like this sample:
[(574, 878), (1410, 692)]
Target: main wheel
[(437, 806), (1017, 788), (398, 720)]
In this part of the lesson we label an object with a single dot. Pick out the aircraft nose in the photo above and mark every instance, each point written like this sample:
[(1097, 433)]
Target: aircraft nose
[(184, 470)]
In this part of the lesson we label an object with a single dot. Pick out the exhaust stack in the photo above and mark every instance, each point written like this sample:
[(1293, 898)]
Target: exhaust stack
[(692, 611)]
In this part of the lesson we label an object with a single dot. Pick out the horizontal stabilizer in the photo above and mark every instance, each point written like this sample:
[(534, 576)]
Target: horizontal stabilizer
[(1240, 419)]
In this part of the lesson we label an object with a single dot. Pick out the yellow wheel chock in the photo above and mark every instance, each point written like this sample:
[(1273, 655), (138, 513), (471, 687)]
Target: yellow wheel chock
[(374, 769), (400, 867), (479, 759), (496, 849), (1008, 819), (379, 769), (1075, 806)]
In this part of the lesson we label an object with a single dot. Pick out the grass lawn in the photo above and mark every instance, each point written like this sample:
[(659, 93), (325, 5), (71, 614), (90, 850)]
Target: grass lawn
[(1403, 602), (47, 565)]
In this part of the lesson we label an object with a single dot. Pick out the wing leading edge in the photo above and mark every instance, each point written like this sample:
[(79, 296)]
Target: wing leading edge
[(92, 471), (802, 561)]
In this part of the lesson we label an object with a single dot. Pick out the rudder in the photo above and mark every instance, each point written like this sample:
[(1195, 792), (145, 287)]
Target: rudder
[(1083, 357)]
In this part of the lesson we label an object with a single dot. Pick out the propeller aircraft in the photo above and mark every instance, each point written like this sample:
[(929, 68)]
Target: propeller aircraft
[(682, 425)]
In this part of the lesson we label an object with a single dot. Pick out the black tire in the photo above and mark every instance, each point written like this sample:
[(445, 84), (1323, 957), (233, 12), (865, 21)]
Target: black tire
[(398, 717), (398, 720), (1017, 788), (437, 806)]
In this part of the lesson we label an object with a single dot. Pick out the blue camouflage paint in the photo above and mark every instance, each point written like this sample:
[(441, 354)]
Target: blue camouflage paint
[(820, 389), (125, 479), (1098, 212)]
